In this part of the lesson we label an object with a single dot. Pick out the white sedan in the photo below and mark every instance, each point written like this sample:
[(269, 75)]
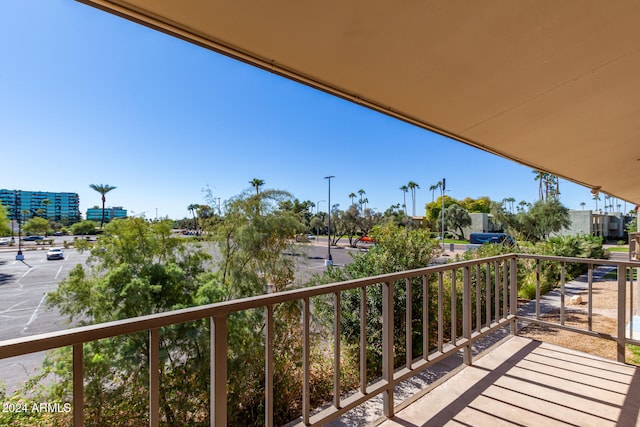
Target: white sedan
[(55, 253)]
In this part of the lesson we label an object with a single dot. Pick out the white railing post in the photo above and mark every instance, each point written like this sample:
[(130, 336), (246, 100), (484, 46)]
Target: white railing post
[(218, 387), (387, 348)]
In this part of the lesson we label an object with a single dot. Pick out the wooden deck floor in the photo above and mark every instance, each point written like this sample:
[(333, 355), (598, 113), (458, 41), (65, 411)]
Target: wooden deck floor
[(529, 383)]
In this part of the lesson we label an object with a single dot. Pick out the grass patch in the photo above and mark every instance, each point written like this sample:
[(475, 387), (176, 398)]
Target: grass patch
[(613, 274), (618, 249)]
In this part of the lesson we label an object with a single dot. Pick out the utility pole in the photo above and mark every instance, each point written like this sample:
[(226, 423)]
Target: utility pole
[(329, 260)]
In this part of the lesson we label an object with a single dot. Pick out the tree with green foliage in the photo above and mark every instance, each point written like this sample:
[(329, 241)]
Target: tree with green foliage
[(83, 228), (396, 249), (138, 268), (36, 226), (481, 204), (303, 210), (456, 218), (434, 209), (252, 246), (102, 189), (251, 243), (543, 218), (5, 229)]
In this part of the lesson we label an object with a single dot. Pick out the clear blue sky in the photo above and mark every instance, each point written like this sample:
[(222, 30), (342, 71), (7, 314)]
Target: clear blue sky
[(89, 98)]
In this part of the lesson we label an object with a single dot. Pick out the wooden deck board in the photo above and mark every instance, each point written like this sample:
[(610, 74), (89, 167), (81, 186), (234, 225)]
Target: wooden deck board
[(530, 383)]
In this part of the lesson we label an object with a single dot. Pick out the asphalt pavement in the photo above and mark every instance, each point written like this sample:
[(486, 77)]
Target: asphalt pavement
[(23, 310)]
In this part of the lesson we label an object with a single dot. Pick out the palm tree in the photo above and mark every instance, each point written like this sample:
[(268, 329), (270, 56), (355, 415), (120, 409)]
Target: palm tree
[(596, 197), (413, 186), (257, 183), (194, 208), (102, 189), (404, 190), (582, 205), (361, 192), (539, 176), (352, 196), (522, 204), (433, 189)]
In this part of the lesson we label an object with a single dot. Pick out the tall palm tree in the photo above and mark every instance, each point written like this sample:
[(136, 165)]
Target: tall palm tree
[(361, 192), (257, 183), (539, 176), (352, 196), (413, 186), (404, 190), (596, 197), (433, 189), (582, 205), (194, 208), (102, 189), (522, 204)]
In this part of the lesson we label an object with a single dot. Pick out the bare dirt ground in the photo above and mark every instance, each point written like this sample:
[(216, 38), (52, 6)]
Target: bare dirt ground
[(605, 300)]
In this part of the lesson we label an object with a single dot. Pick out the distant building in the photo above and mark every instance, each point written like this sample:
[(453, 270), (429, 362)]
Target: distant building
[(23, 205), (482, 223), (95, 213), (609, 225)]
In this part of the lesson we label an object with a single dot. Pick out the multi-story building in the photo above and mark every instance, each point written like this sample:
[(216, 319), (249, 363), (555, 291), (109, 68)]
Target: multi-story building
[(609, 225), (22, 205), (95, 213)]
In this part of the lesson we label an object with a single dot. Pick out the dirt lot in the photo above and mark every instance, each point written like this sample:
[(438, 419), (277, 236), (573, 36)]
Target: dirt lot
[(605, 300)]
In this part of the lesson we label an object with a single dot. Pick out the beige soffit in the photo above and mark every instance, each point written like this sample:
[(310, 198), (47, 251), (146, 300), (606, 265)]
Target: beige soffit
[(551, 84)]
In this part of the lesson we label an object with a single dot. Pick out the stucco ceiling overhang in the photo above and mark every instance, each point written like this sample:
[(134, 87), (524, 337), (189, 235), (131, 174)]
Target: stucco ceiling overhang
[(554, 85)]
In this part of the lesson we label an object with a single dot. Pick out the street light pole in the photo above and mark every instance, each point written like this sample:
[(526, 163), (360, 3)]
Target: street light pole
[(329, 260)]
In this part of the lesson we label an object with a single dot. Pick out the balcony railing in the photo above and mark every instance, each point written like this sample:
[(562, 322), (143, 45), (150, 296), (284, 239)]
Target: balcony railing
[(488, 302)]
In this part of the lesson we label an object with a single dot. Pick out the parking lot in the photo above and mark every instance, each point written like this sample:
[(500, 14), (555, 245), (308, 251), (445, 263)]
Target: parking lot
[(23, 312)]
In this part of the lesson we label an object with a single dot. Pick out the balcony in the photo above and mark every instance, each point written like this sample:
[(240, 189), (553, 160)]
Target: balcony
[(519, 381)]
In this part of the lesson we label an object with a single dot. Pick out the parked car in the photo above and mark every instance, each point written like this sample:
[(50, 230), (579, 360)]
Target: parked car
[(32, 238), (367, 239), (5, 240), (58, 233), (492, 238), (55, 253)]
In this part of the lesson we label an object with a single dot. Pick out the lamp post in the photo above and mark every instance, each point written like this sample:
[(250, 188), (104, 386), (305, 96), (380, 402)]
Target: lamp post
[(318, 205), (17, 213), (329, 260)]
